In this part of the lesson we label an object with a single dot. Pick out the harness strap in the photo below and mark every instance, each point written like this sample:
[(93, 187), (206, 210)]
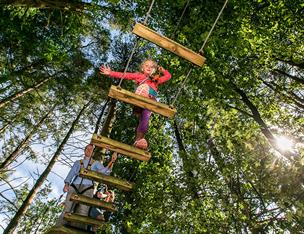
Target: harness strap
[(91, 162), (144, 80), (81, 192)]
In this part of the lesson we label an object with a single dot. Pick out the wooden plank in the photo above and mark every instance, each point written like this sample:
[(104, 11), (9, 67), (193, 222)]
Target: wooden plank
[(106, 179), (76, 218), (92, 202), (168, 44), (143, 102), (66, 230), (120, 148)]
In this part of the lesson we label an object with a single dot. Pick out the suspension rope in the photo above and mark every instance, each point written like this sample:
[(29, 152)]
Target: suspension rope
[(181, 17), (173, 35), (182, 85), (129, 60), (201, 50), (135, 45), (215, 22), (148, 13)]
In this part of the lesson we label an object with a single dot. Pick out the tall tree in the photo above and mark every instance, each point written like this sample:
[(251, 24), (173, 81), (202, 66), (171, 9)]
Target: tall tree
[(23, 92), (25, 205), (10, 158)]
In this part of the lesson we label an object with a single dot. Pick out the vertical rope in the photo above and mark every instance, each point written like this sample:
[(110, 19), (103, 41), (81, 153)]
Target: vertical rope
[(201, 50), (182, 86), (148, 12), (135, 45), (129, 60), (181, 17), (215, 22)]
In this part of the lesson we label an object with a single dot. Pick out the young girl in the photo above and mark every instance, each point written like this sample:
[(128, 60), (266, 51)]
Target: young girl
[(105, 195), (147, 83)]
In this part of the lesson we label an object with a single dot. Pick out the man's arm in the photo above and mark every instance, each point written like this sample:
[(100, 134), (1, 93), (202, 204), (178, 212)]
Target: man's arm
[(72, 173), (113, 159), (108, 169)]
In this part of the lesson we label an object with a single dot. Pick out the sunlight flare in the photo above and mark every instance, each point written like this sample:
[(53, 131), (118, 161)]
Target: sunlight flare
[(284, 143)]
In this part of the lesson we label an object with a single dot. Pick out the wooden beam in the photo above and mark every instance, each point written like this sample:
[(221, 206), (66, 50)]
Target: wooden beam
[(106, 179), (92, 202), (168, 44), (66, 230), (143, 102), (121, 148), (76, 218)]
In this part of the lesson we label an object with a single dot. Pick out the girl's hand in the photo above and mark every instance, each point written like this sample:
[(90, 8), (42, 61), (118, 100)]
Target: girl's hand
[(114, 157), (161, 69), (155, 78), (105, 70)]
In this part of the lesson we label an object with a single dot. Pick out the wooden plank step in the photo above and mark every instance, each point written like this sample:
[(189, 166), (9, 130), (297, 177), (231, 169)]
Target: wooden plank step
[(76, 218), (66, 230), (168, 44), (106, 179), (120, 148), (92, 202), (143, 102)]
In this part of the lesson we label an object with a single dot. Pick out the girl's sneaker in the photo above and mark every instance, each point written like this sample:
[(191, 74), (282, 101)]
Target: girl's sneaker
[(141, 144)]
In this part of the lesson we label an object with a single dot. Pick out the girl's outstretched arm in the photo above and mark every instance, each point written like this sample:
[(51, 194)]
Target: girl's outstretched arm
[(105, 70)]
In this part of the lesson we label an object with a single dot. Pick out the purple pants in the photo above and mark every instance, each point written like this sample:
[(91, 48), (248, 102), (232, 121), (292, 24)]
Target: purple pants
[(143, 121)]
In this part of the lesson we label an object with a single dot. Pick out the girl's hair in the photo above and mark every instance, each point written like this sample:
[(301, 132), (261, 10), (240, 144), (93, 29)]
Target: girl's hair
[(150, 60)]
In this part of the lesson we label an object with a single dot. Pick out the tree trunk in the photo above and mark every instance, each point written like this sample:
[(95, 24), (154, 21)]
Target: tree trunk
[(257, 117), (23, 92), (4, 128), (100, 116), (297, 79), (292, 63), (234, 186), (25, 141), (107, 125), (291, 96), (8, 122), (26, 203), (187, 167)]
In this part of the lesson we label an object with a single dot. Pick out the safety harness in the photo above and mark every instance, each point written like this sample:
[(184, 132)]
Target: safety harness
[(91, 162)]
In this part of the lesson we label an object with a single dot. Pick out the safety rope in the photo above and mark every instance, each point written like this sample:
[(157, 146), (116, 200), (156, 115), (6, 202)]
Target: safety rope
[(215, 22), (148, 13), (129, 60), (173, 36), (74, 204), (182, 86), (181, 17), (201, 50), (135, 45)]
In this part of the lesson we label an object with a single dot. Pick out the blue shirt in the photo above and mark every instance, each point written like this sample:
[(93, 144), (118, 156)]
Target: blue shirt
[(73, 177)]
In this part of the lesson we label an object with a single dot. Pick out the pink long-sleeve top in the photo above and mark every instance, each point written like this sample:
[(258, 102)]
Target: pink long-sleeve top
[(139, 77)]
